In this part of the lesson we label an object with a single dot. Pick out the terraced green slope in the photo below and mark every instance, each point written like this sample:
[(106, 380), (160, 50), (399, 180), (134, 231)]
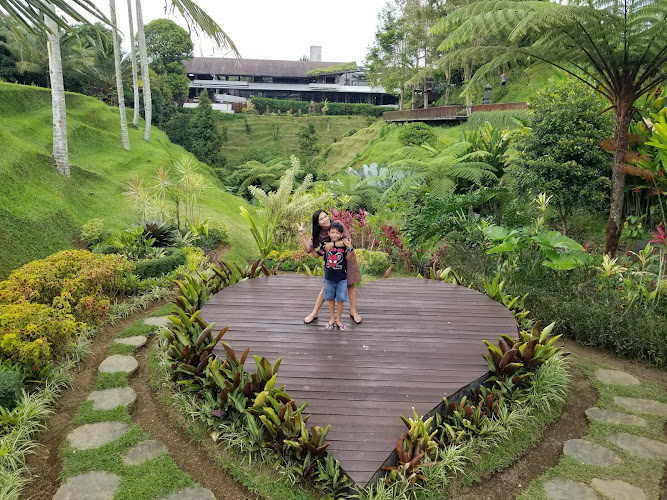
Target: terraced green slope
[(41, 210)]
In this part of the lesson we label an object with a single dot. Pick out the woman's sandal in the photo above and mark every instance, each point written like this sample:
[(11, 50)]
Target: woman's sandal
[(355, 317), (312, 318), (330, 326)]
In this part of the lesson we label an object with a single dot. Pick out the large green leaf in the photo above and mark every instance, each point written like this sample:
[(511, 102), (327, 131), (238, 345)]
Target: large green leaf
[(509, 245), (555, 239), (497, 233)]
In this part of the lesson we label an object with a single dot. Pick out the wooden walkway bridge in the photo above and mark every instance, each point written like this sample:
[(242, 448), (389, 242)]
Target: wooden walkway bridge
[(448, 113), (420, 340)]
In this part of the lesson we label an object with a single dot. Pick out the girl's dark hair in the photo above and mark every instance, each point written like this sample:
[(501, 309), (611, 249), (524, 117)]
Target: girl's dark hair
[(337, 226), (316, 228)]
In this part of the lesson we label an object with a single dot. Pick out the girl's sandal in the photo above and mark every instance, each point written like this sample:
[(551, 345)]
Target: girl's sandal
[(330, 326), (342, 327), (309, 319)]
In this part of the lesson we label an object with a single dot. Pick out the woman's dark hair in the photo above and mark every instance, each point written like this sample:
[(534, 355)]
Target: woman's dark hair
[(316, 228), (337, 226)]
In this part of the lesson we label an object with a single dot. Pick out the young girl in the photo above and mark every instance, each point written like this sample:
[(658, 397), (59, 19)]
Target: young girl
[(321, 223)]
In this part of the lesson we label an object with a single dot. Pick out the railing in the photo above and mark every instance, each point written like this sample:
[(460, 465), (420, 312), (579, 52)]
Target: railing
[(449, 112), (437, 113)]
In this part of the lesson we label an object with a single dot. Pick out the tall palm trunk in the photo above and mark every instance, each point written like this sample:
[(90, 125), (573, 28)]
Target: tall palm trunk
[(119, 77), (448, 81), (60, 155), (145, 78), (133, 56), (621, 138)]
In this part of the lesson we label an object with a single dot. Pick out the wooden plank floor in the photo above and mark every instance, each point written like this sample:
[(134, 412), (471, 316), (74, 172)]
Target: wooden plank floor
[(420, 340)]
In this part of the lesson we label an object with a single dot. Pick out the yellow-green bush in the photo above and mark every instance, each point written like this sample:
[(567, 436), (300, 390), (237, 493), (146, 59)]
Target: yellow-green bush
[(291, 259), (34, 334), (75, 282)]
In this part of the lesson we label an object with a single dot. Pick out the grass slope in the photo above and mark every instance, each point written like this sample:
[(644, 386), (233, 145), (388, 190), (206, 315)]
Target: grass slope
[(275, 136), (41, 210)]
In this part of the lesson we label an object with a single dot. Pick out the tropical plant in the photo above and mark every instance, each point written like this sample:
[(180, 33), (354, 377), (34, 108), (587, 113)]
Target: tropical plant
[(262, 232), (253, 173), (619, 49), (440, 173)]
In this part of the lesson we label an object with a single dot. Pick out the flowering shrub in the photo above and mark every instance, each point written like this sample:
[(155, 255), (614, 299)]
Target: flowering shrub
[(291, 259), (33, 334), (399, 253), (359, 226), (75, 282)]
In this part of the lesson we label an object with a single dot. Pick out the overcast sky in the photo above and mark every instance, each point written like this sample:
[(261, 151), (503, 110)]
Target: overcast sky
[(263, 29)]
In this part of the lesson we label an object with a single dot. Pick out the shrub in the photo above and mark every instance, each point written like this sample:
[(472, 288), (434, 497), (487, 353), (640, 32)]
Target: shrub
[(417, 134), (266, 105), (291, 260), (33, 334), (153, 268), (499, 119), (93, 232), (105, 249), (351, 132), (372, 262), (73, 281), (11, 384)]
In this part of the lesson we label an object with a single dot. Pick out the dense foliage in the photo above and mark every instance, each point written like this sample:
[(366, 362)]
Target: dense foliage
[(266, 105)]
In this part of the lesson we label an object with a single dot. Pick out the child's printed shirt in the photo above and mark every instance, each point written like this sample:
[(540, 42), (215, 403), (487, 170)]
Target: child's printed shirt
[(335, 264)]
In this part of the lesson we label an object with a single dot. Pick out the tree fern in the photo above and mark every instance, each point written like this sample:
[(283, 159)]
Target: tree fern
[(618, 48)]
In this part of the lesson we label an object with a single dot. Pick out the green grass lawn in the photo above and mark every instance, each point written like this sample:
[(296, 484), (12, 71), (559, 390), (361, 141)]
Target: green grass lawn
[(275, 136), (41, 211)]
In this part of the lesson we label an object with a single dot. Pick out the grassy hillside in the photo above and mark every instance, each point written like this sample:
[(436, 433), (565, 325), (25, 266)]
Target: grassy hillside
[(41, 211), (275, 136)]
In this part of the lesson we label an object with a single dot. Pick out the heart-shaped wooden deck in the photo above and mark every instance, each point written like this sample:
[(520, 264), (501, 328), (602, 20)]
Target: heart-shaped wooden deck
[(420, 340)]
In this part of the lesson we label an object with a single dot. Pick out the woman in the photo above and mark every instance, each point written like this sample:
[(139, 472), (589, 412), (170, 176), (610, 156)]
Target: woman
[(321, 223)]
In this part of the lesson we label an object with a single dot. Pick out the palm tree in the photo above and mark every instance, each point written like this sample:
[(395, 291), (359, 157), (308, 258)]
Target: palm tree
[(618, 48), (125, 140), (133, 57), (145, 77), (195, 17), (60, 154)]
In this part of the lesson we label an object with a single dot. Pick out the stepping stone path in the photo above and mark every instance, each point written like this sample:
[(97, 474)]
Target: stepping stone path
[(136, 341), (615, 377), (144, 451), (637, 405), (191, 494), (618, 490), (157, 321), (590, 453), (95, 435), (614, 417), (639, 446), (563, 489), (119, 363), (112, 398), (89, 486)]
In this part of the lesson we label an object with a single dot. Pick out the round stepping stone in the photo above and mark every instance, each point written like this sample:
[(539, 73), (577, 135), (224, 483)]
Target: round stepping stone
[(191, 494), (564, 489), (119, 363), (590, 453), (95, 435), (157, 321), (144, 451), (615, 377), (112, 398), (136, 341), (639, 446), (89, 486), (638, 405), (613, 417), (618, 490)]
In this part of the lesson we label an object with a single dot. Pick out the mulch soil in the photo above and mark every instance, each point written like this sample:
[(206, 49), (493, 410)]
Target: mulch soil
[(162, 423)]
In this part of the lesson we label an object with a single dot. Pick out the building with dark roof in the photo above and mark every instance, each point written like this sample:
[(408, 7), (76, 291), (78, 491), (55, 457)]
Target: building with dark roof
[(232, 80)]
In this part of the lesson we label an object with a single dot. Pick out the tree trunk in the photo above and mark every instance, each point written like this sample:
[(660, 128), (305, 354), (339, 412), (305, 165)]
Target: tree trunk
[(60, 154), (400, 100), (145, 78), (425, 95), (467, 74), (133, 56), (119, 77), (615, 221), (412, 103), (448, 81)]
